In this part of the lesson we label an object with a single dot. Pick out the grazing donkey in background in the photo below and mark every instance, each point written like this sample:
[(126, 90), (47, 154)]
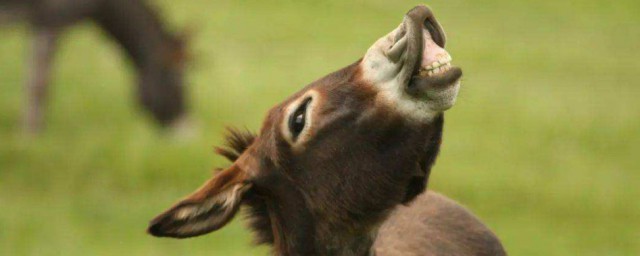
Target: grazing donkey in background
[(158, 55), (333, 164)]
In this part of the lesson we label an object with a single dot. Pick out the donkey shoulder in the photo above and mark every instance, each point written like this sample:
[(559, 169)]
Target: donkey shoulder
[(433, 224)]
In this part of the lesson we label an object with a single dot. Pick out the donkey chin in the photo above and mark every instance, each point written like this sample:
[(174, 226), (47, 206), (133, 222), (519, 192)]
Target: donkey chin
[(411, 69)]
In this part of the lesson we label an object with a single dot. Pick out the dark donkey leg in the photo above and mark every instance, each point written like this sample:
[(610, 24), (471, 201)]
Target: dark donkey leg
[(39, 72)]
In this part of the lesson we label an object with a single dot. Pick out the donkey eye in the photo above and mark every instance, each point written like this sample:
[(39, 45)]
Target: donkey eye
[(297, 121)]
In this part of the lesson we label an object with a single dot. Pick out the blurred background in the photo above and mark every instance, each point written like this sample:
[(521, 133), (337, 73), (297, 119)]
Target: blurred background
[(542, 145)]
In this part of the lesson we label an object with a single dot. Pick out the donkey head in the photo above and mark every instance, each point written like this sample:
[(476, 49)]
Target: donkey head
[(162, 89), (331, 161)]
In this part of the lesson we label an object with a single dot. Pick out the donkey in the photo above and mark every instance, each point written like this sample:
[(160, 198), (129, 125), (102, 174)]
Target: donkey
[(340, 167), (157, 55)]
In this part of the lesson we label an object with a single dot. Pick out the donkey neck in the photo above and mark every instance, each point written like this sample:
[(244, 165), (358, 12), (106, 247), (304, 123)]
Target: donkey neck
[(136, 28), (292, 229)]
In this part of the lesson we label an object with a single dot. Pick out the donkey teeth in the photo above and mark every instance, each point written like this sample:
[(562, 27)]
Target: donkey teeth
[(436, 67), (431, 70), (424, 73)]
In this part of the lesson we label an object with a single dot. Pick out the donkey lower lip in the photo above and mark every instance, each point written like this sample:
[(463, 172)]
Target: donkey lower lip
[(419, 84)]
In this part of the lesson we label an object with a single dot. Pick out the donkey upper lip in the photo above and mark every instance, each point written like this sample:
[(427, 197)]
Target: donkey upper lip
[(424, 16), (434, 28)]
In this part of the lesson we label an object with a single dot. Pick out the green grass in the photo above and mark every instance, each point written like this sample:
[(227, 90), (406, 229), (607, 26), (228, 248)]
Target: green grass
[(543, 144)]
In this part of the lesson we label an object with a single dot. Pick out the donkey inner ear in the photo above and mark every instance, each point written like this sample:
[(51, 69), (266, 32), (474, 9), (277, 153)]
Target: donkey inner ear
[(206, 210)]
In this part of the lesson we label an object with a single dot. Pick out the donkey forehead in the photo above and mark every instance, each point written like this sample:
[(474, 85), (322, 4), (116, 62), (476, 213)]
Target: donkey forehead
[(343, 85)]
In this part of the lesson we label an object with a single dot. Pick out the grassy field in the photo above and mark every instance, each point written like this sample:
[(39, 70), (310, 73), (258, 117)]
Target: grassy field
[(543, 144)]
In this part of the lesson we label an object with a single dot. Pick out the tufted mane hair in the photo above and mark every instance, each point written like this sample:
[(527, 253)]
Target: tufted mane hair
[(236, 142)]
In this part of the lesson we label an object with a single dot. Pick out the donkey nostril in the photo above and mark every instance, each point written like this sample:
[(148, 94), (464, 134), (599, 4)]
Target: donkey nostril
[(400, 34)]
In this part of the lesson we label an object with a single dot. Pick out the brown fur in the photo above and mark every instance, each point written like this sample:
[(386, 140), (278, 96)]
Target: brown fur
[(435, 225), (429, 225), (237, 141)]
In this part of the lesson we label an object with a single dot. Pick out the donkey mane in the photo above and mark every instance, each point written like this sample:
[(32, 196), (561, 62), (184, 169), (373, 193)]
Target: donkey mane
[(236, 142)]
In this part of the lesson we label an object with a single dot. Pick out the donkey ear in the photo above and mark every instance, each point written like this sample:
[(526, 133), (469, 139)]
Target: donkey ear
[(207, 209)]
